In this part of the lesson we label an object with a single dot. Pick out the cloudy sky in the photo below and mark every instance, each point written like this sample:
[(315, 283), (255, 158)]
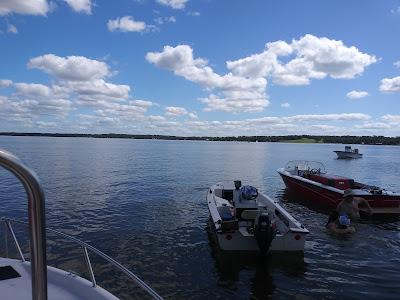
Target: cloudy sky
[(200, 67)]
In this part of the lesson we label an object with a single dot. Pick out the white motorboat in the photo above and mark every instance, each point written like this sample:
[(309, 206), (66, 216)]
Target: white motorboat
[(348, 153), (244, 219), (33, 279)]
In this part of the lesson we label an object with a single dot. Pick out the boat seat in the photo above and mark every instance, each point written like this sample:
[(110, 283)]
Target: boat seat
[(249, 214), (227, 195)]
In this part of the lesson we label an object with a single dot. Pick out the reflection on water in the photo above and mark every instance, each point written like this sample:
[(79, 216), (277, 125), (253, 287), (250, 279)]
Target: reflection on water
[(143, 203)]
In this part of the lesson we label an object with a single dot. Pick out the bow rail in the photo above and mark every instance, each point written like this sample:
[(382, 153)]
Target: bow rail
[(37, 233)]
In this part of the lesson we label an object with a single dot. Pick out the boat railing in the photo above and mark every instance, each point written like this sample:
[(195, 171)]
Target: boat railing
[(37, 232), (294, 166), (86, 248)]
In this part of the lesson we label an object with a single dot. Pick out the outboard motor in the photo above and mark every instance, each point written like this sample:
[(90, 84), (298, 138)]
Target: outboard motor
[(264, 231)]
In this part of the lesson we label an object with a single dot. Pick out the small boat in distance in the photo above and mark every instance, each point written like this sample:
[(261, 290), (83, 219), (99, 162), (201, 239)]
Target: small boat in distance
[(310, 180), (244, 219), (348, 153)]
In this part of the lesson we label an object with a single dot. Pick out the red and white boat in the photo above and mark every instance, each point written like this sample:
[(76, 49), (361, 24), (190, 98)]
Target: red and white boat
[(310, 180)]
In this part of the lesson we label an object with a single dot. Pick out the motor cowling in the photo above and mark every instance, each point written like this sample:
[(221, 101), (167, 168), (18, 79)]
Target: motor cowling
[(264, 231)]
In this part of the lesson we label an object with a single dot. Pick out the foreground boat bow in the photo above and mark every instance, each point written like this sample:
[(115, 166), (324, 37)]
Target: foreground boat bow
[(21, 279)]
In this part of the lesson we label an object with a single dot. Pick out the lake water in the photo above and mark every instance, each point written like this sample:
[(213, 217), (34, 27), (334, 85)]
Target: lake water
[(143, 203)]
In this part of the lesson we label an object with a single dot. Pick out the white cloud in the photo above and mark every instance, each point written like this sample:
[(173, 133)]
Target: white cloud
[(194, 13), (397, 64), (175, 4), (12, 29), (390, 85), (244, 88), (312, 58), (393, 119), (235, 93), (285, 105), (126, 24), (356, 94), (43, 124), (84, 6), (93, 89), (31, 101), (329, 117), (374, 126), (5, 83), (162, 20), (32, 90), (174, 111), (75, 68), (24, 7), (193, 116), (142, 103)]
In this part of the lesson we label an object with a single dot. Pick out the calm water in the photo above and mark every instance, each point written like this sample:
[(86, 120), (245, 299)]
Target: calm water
[(143, 203)]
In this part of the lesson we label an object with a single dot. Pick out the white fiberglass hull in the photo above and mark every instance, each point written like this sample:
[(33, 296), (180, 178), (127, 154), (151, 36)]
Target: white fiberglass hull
[(62, 285), (346, 155), (290, 236), (237, 241)]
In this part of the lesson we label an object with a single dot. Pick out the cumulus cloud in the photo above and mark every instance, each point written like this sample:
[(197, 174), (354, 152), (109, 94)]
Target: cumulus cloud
[(126, 24), (93, 89), (84, 6), (32, 7), (393, 119), (194, 13), (163, 20), (374, 126), (175, 4), (12, 29), (174, 111), (78, 82), (329, 117), (285, 105), (356, 94), (397, 64), (390, 85), (244, 87), (32, 90), (193, 116), (5, 83), (310, 57), (31, 101), (234, 93), (296, 124), (75, 68)]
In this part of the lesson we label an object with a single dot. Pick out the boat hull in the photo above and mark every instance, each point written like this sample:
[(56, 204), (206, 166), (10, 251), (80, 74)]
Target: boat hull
[(289, 238), (347, 155), (324, 195), (240, 241)]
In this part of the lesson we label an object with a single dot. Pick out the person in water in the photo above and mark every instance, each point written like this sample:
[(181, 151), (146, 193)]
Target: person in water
[(340, 224), (350, 205)]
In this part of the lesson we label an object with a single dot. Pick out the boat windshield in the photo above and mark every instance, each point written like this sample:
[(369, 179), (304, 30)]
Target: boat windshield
[(305, 165)]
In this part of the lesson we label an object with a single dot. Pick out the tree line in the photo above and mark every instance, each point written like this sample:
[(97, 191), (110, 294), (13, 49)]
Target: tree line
[(346, 139)]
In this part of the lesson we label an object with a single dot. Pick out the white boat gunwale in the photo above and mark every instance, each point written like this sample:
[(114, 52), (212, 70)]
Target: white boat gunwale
[(289, 227)]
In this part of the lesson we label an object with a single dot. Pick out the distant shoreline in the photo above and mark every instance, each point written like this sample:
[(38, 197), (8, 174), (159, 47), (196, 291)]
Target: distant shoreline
[(367, 140)]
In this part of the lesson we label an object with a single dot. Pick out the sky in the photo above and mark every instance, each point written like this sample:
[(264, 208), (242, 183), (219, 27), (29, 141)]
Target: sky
[(200, 67)]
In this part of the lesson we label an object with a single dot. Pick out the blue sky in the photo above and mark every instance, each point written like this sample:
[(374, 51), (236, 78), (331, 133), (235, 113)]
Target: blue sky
[(200, 67)]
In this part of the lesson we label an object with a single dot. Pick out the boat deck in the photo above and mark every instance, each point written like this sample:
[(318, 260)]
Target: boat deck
[(15, 283)]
